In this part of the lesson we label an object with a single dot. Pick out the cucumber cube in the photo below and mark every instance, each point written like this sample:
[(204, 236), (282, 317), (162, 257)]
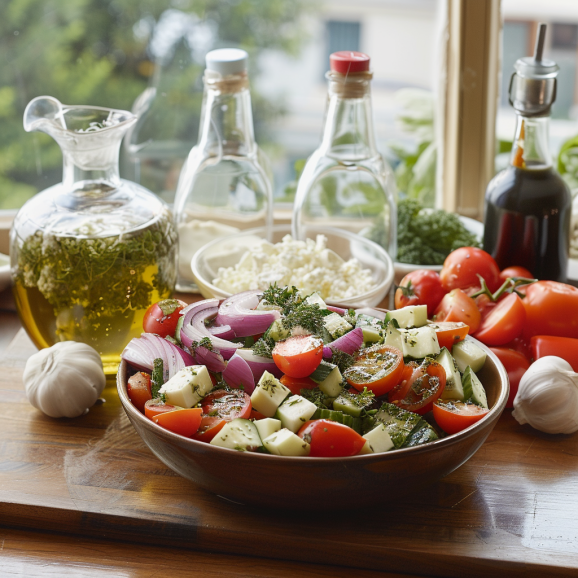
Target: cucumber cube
[(453, 389), (420, 342), (239, 434), (267, 426), (315, 299), (336, 325), (277, 331), (331, 385), (379, 439), (468, 353), (294, 412), (473, 389), (393, 337), (188, 386), (286, 443), (268, 394), (411, 316)]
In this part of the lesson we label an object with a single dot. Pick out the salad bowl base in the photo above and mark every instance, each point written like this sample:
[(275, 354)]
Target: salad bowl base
[(267, 481)]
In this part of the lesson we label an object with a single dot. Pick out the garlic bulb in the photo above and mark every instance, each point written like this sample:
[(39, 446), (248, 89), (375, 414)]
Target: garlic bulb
[(547, 396), (64, 380)]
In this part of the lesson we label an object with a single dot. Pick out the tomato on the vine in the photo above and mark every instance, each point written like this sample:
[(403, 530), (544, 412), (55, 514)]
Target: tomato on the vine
[(515, 271), (298, 356), (379, 368), (457, 306), (516, 365), (162, 317), (462, 267), (564, 347), (455, 416), (551, 309), (420, 287), (329, 439), (426, 384), (503, 323)]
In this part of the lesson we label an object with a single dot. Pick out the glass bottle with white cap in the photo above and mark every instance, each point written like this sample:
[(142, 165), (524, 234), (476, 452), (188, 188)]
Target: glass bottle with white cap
[(346, 183), (528, 204), (225, 183)]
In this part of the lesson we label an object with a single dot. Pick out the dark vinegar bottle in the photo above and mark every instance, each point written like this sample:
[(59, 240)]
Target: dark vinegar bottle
[(528, 205)]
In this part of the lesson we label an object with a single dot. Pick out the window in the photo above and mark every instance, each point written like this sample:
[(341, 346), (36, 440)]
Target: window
[(342, 36)]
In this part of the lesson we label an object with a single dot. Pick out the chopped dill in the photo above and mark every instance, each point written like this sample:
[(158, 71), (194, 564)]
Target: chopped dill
[(264, 347), (341, 359), (317, 397)]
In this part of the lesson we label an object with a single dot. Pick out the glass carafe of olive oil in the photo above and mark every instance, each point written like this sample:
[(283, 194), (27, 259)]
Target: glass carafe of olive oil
[(90, 254), (528, 205)]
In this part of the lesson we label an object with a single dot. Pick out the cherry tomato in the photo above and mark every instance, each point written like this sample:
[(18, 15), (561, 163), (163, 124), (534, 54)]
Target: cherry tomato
[(516, 365), (298, 356), (564, 347), (162, 317), (426, 384), (184, 422), (551, 309), (462, 267), (503, 323), (139, 389), (515, 271), (400, 390), (219, 407), (329, 439), (379, 368), (455, 416), (457, 306), (256, 415), (154, 407), (420, 287), (449, 333), (296, 384)]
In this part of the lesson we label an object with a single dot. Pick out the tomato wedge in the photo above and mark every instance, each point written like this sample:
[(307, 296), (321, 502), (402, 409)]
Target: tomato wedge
[(154, 407), (503, 323), (296, 384), (426, 384), (219, 407), (450, 332), (379, 368), (457, 306), (184, 422), (298, 356), (329, 439), (400, 390), (564, 347), (455, 416), (139, 389)]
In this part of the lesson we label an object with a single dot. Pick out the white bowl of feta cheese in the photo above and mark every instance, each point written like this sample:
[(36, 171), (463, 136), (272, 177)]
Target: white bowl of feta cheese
[(341, 266)]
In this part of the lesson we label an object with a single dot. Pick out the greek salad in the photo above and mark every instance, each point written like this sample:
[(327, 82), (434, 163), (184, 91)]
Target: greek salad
[(279, 372)]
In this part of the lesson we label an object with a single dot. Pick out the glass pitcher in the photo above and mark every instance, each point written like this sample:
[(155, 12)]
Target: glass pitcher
[(90, 254)]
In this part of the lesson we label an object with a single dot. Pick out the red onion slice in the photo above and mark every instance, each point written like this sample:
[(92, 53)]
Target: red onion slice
[(213, 360), (194, 328), (238, 373), (142, 351), (238, 311), (339, 310), (348, 343), (259, 364)]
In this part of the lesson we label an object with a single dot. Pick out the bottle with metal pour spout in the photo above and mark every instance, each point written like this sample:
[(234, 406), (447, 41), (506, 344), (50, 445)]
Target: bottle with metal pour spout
[(528, 204)]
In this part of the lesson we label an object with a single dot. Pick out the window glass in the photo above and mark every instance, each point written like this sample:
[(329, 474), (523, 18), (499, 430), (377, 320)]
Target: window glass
[(148, 55)]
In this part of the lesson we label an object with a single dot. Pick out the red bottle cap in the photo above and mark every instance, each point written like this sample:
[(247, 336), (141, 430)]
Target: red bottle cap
[(346, 61)]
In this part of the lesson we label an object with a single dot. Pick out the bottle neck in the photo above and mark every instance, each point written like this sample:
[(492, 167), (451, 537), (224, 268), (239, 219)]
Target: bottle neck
[(348, 133), (531, 149), (91, 171), (226, 117)]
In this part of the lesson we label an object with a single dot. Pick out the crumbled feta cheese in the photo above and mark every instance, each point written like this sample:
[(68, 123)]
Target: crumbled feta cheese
[(308, 265)]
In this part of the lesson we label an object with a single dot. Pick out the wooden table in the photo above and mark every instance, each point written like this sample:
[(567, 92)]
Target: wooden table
[(85, 497)]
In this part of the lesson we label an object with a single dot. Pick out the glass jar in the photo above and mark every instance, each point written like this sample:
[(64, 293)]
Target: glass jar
[(90, 254)]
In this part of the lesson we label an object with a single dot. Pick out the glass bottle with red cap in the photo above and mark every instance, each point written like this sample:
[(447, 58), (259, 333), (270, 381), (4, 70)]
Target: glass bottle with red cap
[(346, 183)]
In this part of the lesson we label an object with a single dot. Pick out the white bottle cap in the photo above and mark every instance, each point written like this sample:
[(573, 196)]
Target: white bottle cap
[(227, 61)]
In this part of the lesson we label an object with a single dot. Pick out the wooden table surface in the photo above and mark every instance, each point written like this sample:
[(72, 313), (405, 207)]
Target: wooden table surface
[(85, 497)]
